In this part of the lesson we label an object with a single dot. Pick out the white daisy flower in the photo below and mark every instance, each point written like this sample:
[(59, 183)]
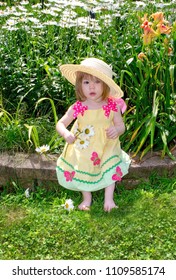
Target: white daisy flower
[(87, 132), (82, 143), (11, 22), (27, 193), (43, 149), (83, 36), (68, 205)]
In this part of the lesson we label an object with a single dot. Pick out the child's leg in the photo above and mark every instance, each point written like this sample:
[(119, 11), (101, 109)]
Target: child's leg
[(87, 200), (109, 203)]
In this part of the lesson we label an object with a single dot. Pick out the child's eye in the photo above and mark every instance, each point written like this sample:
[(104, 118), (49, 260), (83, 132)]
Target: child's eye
[(85, 82)]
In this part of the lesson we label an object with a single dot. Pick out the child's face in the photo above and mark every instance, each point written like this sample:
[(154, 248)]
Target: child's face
[(92, 88)]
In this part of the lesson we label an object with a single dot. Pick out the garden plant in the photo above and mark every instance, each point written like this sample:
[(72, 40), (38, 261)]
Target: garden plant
[(139, 39)]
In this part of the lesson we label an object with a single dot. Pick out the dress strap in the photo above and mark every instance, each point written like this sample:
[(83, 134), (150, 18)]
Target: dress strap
[(79, 109), (111, 106)]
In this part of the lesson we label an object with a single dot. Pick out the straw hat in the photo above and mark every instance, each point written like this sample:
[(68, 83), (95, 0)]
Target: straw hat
[(95, 67)]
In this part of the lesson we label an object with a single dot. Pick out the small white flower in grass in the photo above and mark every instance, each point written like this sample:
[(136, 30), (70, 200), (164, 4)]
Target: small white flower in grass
[(43, 149), (68, 205), (27, 193)]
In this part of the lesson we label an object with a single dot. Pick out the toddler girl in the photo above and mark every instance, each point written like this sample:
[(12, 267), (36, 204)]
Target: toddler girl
[(92, 158)]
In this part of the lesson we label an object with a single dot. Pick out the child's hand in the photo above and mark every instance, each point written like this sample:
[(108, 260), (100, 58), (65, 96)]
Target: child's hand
[(112, 132), (69, 137)]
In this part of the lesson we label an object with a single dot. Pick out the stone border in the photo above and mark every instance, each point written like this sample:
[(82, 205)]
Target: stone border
[(30, 169)]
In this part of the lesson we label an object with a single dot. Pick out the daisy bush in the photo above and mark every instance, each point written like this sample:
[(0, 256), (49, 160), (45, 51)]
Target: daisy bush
[(136, 37)]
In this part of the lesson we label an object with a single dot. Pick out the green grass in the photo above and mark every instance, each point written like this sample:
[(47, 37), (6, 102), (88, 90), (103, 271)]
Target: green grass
[(143, 227)]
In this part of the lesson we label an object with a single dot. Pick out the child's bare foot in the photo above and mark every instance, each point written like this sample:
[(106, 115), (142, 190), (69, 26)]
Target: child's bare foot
[(109, 205), (86, 203), (84, 206)]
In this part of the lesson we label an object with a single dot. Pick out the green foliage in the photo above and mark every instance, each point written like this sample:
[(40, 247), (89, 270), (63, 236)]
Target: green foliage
[(150, 79), (20, 133), (143, 227), (34, 41)]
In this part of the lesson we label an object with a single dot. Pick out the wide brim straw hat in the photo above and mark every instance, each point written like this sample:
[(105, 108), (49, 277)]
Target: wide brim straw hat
[(94, 67)]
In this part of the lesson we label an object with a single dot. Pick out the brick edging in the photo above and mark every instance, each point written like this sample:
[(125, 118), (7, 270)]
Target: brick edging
[(29, 167)]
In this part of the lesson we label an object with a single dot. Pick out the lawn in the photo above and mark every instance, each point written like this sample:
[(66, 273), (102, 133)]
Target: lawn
[(38, 227)]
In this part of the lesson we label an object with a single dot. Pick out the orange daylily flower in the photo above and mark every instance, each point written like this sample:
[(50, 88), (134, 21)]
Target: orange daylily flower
[(144, 18), (149, 33), (158, 17), (155, 28), (170, 51), (142, 56), (163, 29), (146, 24)]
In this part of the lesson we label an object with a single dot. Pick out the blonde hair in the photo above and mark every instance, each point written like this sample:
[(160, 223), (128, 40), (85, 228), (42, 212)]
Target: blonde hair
[(78, 87)]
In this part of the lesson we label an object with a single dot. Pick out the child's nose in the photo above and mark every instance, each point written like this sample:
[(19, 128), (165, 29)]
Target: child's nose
[(92, 84)]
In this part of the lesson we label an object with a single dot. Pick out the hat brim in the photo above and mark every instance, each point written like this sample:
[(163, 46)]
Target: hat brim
[(69, 72)]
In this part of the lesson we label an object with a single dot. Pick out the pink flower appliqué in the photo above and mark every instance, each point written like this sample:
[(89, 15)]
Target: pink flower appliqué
[(112, 105), (95, 158), (118, 175), (79, 109), (69, 175)]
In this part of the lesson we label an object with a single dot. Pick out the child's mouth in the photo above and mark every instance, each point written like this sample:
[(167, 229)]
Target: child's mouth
[(92, 93)]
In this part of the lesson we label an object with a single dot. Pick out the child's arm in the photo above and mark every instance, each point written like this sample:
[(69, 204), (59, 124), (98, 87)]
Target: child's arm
[(61, 126), (118, 128)]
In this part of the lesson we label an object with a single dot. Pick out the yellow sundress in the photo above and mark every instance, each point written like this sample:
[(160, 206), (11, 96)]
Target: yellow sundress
[(93, 161)]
